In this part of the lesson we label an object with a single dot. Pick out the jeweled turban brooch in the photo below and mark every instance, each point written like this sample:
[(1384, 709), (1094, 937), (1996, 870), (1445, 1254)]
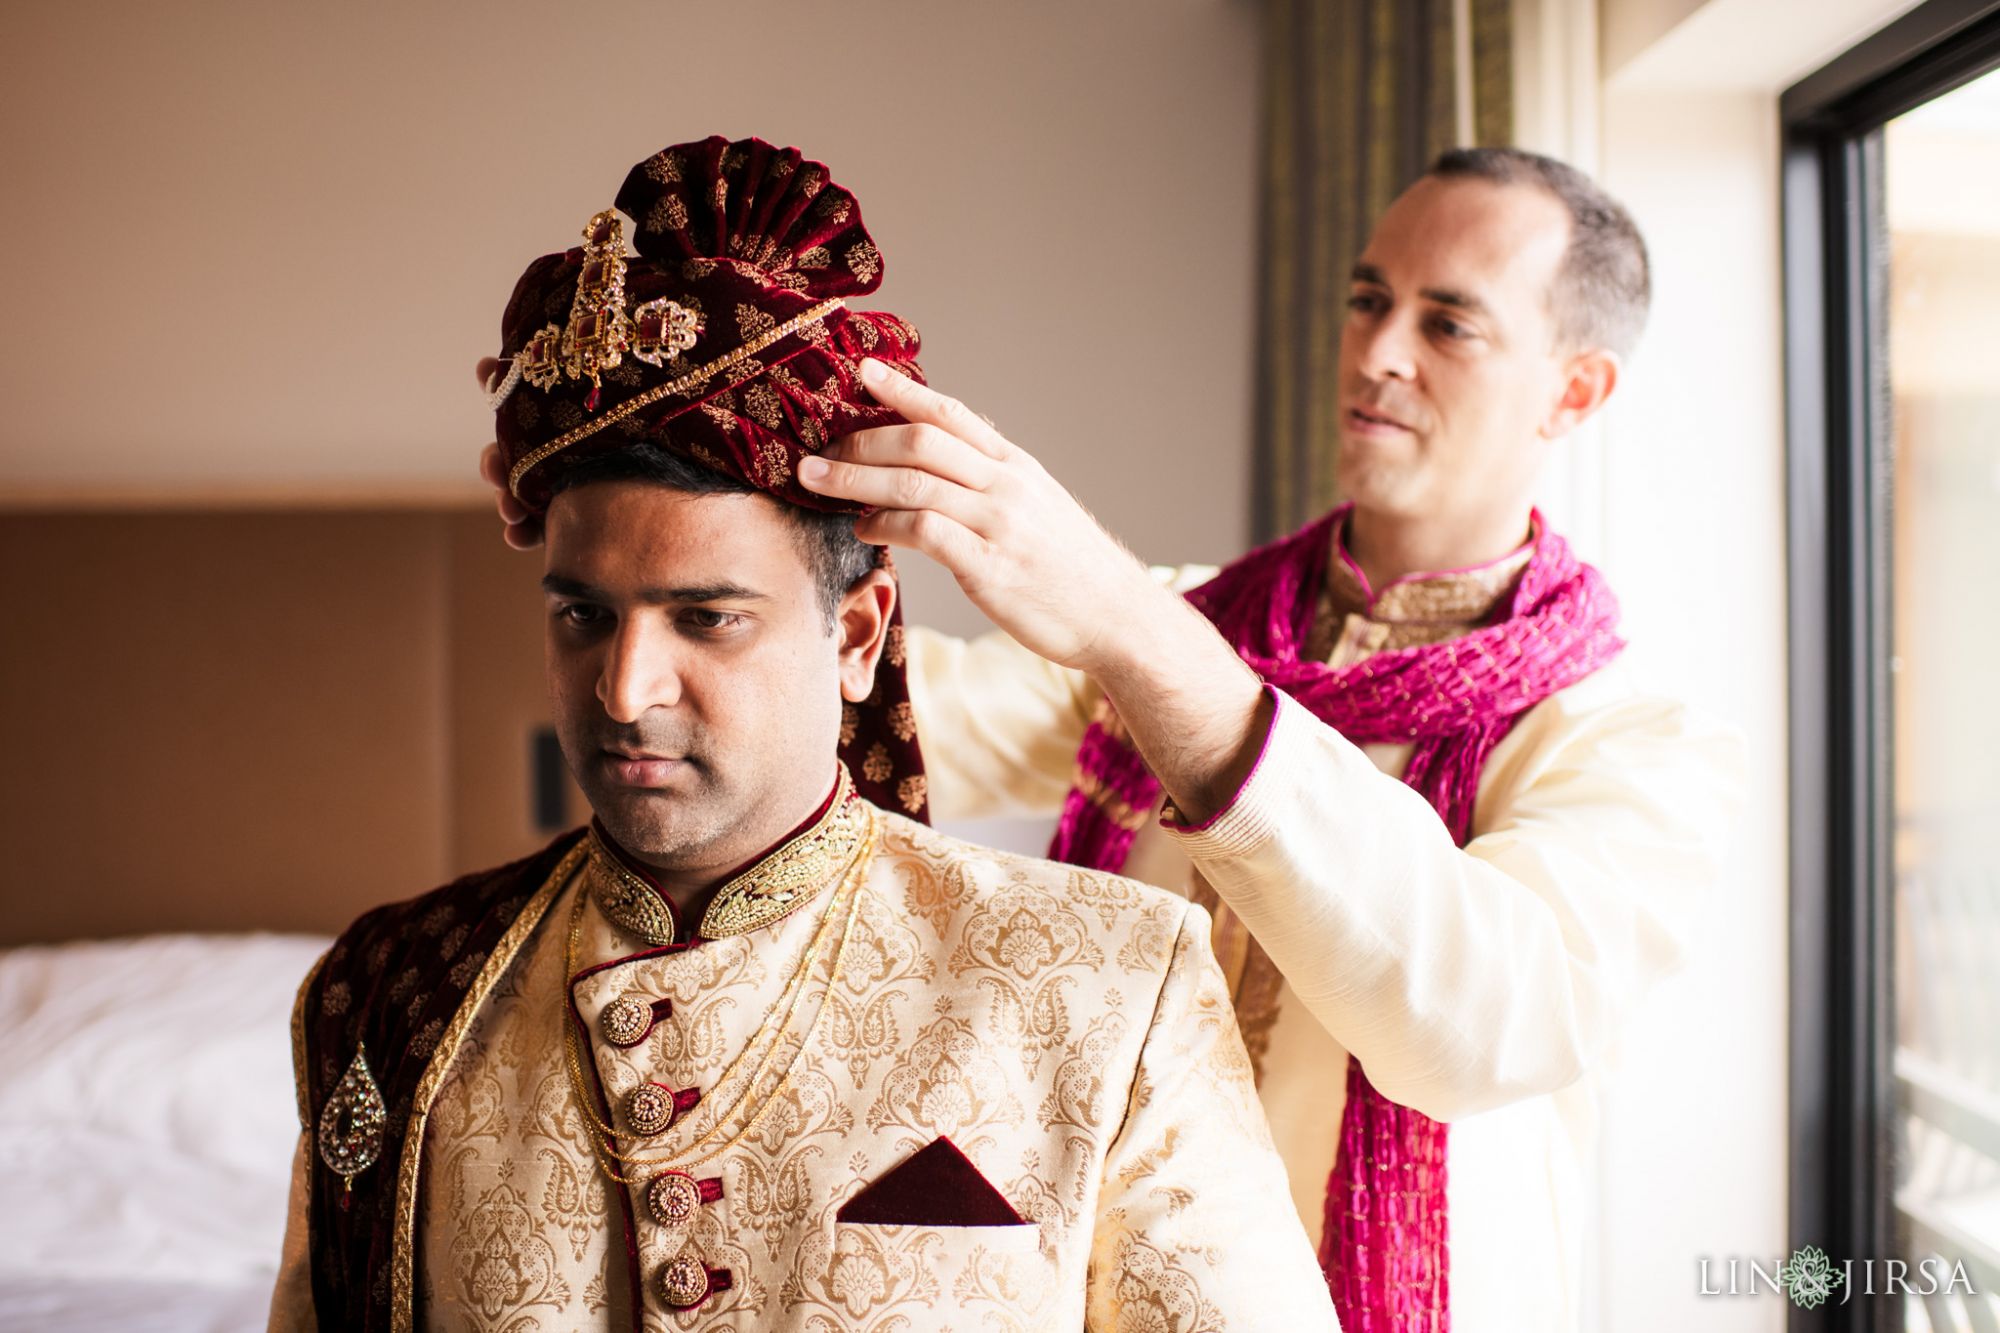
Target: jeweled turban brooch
[(600, 330)]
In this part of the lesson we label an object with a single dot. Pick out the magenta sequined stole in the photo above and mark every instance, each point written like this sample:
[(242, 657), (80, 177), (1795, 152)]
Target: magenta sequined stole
[(1384, 1248)]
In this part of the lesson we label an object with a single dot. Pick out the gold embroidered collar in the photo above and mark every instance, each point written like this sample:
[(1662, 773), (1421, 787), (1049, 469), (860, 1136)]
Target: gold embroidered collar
[(771, 889)]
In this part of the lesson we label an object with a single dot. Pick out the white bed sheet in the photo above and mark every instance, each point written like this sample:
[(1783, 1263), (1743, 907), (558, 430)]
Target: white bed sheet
[(147, 1122)]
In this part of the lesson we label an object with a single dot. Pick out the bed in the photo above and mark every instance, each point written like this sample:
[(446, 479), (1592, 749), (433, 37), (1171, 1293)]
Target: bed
[(147, 1124)]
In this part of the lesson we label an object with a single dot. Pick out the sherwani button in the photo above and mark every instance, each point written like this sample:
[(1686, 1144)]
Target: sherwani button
[(651, 1108), (685, 1281), (627, 1019), (673, 1197)]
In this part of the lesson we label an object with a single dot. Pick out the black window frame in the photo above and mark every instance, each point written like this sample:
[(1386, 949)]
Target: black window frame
[(1843, 1096)]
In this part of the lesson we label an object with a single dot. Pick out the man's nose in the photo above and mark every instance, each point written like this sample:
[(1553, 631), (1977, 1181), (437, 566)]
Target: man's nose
[(1387, 351), (639, 672)]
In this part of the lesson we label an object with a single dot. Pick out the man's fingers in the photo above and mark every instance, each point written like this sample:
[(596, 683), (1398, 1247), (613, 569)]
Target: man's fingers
[(489, 369), (523, 529), (892, 488), (944, 540), (492, 467), (920, 402), (925, 448)]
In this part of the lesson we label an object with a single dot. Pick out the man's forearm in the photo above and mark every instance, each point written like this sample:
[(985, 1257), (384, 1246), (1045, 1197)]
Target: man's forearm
[(1197, 714)]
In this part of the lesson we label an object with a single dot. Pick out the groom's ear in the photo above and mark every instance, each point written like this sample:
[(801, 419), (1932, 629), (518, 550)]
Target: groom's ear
[(861, 622)]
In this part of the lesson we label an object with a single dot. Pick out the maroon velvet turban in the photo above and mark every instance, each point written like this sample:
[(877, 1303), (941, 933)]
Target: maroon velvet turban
[(726, 339)]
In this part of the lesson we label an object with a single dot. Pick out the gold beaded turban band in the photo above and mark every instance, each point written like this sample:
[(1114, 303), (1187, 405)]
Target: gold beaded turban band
[(726, 339)]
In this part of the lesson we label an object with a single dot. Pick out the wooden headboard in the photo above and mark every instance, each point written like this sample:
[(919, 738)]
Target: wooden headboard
[(260, 720)]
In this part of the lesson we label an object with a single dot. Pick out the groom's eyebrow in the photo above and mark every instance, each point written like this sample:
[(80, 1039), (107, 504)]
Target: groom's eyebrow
[(562, 586)]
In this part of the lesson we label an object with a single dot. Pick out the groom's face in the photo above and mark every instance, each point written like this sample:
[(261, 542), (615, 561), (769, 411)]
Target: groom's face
[(695, 679)]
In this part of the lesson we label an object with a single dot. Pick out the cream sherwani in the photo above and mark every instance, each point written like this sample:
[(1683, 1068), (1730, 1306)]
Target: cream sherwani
[(1483, 986), (1068, 1031)]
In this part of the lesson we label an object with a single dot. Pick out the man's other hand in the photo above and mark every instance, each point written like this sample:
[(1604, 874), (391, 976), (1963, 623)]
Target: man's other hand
[(524, 529)]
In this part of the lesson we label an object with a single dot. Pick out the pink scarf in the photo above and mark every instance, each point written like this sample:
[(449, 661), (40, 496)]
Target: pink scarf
[(1384, 1248)]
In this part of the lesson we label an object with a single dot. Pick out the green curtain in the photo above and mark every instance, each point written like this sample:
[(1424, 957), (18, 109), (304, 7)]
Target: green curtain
[(1359, 96)]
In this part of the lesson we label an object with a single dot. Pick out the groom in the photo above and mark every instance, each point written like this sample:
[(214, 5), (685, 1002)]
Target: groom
[(758, 1049)]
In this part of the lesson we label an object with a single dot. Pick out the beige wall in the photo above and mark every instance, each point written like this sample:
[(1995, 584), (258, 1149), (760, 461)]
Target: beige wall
[(256, 248), (1691, 522), (1696, 1131)]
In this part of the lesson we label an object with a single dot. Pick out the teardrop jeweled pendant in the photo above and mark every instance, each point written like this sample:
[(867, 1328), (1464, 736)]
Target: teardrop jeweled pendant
[(352, 1121)]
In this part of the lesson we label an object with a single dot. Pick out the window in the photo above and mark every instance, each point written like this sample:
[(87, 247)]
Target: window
[(1892, 220)]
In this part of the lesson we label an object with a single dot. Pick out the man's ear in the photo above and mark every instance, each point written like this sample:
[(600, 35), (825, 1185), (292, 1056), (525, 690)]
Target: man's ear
[(861, 623), (1592, 376)]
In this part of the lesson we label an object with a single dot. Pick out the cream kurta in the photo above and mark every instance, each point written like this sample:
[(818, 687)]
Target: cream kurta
[(1068, 1031), (1482, 986)]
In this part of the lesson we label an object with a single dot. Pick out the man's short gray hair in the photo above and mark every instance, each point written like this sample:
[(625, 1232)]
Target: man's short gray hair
[(1605, 284)]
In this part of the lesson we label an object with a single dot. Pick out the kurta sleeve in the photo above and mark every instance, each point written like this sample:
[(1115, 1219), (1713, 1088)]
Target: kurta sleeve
[(1195, 1225), (292, 1299), (1468, 979), (999, 725)]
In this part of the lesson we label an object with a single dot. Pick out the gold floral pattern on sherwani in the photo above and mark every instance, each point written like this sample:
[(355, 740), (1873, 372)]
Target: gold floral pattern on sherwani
[(1067, 1030)]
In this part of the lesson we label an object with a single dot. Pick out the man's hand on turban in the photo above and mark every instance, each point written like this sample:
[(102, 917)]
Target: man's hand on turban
[(950, 485), (524, 529), (1035, 561), (1019, 543)]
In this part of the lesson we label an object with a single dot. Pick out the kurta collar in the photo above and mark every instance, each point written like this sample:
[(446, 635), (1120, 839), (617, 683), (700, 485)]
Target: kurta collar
[(1455, 597), (1355, 621)]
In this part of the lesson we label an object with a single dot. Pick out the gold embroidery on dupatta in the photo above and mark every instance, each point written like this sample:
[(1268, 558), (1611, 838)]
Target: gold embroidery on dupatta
[(1115, 807)]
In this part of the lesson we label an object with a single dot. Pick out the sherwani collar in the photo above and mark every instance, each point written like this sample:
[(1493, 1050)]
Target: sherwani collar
[(762, 891)]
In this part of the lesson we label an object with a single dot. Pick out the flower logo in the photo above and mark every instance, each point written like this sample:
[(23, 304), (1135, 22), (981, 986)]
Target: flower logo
[(1809, 1277)]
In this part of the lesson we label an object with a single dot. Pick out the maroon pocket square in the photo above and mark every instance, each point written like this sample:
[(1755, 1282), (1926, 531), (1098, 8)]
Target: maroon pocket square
[(936, 1186)]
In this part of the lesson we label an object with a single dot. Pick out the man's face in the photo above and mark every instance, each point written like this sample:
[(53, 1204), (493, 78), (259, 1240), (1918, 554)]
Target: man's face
[(696, 684), (1450, 371)]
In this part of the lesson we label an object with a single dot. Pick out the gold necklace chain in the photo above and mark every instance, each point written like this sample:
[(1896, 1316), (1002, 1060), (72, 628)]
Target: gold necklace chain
[(601, 1133), (794, 988)]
